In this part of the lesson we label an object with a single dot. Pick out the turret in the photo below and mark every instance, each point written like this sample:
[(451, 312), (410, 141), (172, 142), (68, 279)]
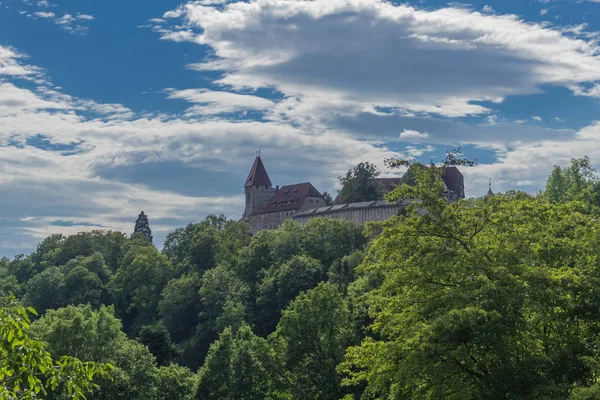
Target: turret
[(258, 188), (490, 193)]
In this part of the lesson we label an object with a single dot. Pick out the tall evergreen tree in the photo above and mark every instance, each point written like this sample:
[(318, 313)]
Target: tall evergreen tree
[(143, 226)]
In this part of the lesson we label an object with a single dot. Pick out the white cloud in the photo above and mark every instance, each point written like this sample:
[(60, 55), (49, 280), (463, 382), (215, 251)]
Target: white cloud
[(444, 60), (592, 91), (536, 118), (62, 158), (544, 11), (86, 17), (418, 152), (213, 102), (44, 14), (9, 63), (65, 19), (413, 135)]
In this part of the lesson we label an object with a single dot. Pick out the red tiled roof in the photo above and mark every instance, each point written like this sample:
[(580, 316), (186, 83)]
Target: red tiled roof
[(291, 198), (258, 174)]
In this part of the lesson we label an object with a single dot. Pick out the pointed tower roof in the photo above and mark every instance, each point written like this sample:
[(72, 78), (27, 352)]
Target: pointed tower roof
[(490, 193), (258, 174)]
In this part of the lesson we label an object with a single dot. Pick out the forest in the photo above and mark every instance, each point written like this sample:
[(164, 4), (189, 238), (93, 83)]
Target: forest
[(495, 297)]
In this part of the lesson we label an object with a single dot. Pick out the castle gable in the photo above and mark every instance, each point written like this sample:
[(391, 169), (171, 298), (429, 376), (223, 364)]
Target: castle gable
[(291, 198)]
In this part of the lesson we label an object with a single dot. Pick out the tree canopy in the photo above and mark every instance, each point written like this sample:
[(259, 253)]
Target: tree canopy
[(359, 184), (486, 297)]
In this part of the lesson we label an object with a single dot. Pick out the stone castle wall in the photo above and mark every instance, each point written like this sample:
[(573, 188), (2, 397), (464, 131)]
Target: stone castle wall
[(359, 213), (258, 222), (257, 197)]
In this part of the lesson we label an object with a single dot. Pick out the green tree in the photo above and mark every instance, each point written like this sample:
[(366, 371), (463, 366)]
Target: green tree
[(97, 336), (10, 284), (142, 226), (176, 383), (28, 371), (577, 181), (359, 184), (82, 286), (80, 331), (239, 366), (177, 246), (203, 251), (180, 306), (280, 286), (328, 199), (46, 290), (23, 268), (157, 339), (557, 186), (341, 272), (311, 337), (111, 245), (479, 299), (138, 284), (330, 239)]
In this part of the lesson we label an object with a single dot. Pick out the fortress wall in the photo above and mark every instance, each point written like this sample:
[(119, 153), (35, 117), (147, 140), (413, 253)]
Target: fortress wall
[(359, 215)]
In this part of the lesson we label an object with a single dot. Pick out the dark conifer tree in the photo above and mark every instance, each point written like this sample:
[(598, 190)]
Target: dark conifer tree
[(143, 226)]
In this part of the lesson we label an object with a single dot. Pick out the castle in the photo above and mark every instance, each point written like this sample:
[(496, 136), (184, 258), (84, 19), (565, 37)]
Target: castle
[(267, 207)]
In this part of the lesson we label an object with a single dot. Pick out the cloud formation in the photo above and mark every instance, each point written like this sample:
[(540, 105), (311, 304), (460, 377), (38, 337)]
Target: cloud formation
[(212, 102), (70, 159), (380, 54)]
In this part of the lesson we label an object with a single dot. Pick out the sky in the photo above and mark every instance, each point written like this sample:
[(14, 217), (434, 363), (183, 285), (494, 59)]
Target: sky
[(108, 108)]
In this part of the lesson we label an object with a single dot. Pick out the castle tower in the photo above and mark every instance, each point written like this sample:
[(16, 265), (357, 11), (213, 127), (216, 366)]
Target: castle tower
[(490, 193), (258, 188)]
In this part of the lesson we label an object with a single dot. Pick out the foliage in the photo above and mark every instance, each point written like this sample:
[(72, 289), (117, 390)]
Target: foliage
[(138, 284), (311, 338), (575, 182), (328, 199), (180, 306), (481, 298), (359, 184), (46, 290), (157, 339), (27, 369), (176, 383), (239, 366), (494, 297), (95, 335), (142, 226)]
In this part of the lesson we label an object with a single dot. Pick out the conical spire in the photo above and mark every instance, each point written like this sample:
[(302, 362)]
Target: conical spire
[(490, 193), (258, 174)]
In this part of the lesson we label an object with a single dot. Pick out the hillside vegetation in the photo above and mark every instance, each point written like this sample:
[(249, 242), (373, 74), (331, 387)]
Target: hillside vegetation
[(495, 297)]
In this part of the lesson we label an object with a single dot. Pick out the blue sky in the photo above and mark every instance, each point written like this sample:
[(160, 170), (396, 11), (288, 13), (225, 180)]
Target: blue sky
[(108, 108)]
